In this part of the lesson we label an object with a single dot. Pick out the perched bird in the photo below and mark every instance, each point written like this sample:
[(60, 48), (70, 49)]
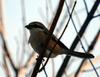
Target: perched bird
[(37, 39)]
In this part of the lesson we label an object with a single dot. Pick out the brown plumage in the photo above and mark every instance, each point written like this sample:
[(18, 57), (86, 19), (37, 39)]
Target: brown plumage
[(38, 35)]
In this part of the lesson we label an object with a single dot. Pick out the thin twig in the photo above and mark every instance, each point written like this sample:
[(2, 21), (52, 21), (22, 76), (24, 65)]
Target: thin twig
[(40, 58), (6, 67), (45, 71), (59, 38), (86, 52), (89, 49), (67, 25), (68, 20), (86, 7), (82, 30), (90, 70), (96, 16)]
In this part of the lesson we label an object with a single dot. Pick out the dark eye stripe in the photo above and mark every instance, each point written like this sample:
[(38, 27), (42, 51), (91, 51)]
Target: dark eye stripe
[(37, 26)]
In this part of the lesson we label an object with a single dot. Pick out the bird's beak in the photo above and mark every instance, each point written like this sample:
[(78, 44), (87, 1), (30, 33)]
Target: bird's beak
[(27, 26)]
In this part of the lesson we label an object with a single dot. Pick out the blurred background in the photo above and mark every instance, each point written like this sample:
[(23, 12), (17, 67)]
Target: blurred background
[(17, 58)]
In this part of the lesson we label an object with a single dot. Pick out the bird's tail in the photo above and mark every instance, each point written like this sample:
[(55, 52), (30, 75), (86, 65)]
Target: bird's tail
[(67, 51), (80, 54)]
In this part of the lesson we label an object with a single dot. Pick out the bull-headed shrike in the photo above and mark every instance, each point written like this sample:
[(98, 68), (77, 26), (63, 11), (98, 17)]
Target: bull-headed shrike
[(37, 39)]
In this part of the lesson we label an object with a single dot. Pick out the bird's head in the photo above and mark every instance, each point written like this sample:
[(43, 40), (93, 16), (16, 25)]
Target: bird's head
[(35, 25)]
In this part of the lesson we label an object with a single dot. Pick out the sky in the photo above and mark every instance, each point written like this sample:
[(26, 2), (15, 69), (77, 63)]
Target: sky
[(35, 10)]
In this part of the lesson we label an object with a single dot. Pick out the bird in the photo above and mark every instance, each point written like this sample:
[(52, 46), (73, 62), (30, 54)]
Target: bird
[(37, 39)]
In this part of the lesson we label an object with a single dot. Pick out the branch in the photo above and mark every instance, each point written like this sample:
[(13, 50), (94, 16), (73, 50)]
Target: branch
[(39, 60), (82, 30), (89, 49), (97, 16), (86, 6), (6, 52), (5, 66)]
